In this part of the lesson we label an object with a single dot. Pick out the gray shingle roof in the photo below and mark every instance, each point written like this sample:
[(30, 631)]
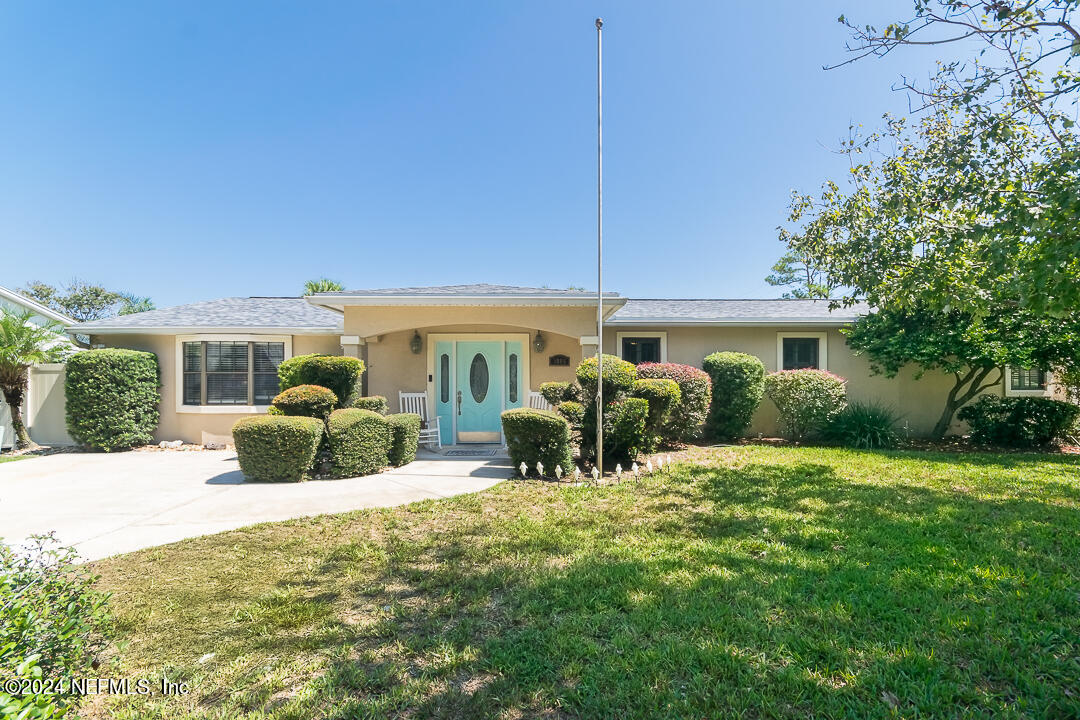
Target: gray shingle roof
[(473, 290), (733, 311), (285, 313)]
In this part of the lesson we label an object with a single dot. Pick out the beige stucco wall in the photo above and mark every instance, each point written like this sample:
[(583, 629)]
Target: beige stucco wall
[(199, 427), (918, 402), (368, 321)]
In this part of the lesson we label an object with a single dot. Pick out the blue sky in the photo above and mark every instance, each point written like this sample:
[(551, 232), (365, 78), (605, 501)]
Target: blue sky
[(192, 150)]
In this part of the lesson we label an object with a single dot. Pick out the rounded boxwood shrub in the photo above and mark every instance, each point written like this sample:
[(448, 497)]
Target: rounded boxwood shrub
[(538, 435), (306, 401), (359, 442), (663, 396), (1018, 421), (337, 373), (738, 382), (619, 377), (868, 426), (374, 403), (695, 388), (557, 393), (405, 429), (112, 398), (574, 412), (626, 433), (277, 448), (806, 399)]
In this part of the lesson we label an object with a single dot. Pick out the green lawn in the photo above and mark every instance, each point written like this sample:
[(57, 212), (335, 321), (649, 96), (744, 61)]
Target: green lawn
[(12, 458), (770, 582)]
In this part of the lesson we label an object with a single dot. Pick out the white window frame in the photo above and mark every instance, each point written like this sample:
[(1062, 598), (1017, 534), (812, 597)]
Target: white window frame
[(823, 347), (178, 371), (661, 335), (1009, 392)]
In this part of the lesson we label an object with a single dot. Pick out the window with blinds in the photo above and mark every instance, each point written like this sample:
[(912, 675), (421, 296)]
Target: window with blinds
[(1029, 379), (231, 372)]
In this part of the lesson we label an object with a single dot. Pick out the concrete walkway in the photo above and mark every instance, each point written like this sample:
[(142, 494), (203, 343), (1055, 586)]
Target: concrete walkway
[(107, 504)]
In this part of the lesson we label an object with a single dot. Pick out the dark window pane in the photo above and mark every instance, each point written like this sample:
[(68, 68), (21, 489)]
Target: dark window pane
[(478, 378), (800, 353), (266, 388), (226, 388), (192, 356), (641, 350), (226, 356), (444, 378), (513, 372), (192, 388), (268, 356), (1027, 379)]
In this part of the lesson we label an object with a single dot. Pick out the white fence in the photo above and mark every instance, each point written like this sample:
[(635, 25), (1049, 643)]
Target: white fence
[(43, 408)]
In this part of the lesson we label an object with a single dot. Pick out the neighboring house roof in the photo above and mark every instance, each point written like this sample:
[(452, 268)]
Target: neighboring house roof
[(734, 312), (235, 314), (34, 306)]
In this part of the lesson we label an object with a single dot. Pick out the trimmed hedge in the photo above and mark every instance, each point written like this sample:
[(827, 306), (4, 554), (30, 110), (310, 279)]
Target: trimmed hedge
[(338, 373), (538, 435), (557, 393), (619, 377), (663, 396), (626, 434), (277, 448), (807, 400), (112, 398), (1018, 421), (574, 412), (306, 401), (738, 383), (405, 429), (359, 442), (695, 387), (374, 403)]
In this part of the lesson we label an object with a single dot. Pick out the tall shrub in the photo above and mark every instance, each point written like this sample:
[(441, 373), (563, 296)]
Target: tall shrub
[(738, 383), (625, 418), (806, 399), (619, 377), (112, 398), (663, 396), (695, 390), (1018, 421), (405, 429), (277, 448), (338, 373)]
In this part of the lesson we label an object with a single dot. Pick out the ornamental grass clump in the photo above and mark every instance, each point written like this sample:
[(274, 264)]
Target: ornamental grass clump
[(806, 400), (867, 426)]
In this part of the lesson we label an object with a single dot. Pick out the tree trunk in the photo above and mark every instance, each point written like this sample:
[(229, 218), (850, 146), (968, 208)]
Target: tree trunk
[(13, 396), (958, 396)]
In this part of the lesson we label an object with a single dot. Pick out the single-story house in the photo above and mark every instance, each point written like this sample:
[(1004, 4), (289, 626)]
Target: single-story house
[(43, 405), (476, 350)]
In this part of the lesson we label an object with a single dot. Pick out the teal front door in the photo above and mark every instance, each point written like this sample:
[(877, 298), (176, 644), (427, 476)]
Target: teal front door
[(480, 388)]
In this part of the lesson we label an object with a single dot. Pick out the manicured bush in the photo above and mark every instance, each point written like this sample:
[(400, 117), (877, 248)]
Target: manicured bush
[(695, 389), (663, 396), (626, 434), (868, 426), (619, 377), (574, 412), (557, 393), (538, 435), (405, 429), (359, 441), (112, 398), (374, 403), (806, 399), (277, 448), (738, 382), (335, 372), (1018, 421), (306, 401), (52, 624)]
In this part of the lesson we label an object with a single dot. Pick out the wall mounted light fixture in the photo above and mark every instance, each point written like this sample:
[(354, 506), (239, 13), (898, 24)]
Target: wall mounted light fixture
[(540, 342), (416, 344)]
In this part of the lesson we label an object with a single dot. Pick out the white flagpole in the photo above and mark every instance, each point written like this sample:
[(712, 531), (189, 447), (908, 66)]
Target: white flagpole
[(599, 250)]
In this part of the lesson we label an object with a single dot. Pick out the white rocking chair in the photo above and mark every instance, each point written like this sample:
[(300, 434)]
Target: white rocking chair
[(416, 402), (537, 402)]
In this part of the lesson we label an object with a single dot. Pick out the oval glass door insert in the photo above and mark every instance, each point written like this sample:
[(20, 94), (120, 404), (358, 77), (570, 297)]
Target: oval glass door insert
[(478, 378)]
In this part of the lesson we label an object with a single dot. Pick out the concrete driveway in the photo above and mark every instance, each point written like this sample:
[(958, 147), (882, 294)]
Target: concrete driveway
[(106, 504)]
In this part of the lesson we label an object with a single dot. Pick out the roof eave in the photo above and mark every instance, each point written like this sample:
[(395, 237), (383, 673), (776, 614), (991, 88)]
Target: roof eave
[(181, 330), (338, 302), (35, 306), (732, 322)]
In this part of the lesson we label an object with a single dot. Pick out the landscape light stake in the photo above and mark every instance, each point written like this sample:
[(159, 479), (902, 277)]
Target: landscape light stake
[(599, 249)]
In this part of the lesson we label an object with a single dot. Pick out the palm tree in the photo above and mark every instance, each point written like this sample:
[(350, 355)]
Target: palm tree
[(322, 285), (22, 344)]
